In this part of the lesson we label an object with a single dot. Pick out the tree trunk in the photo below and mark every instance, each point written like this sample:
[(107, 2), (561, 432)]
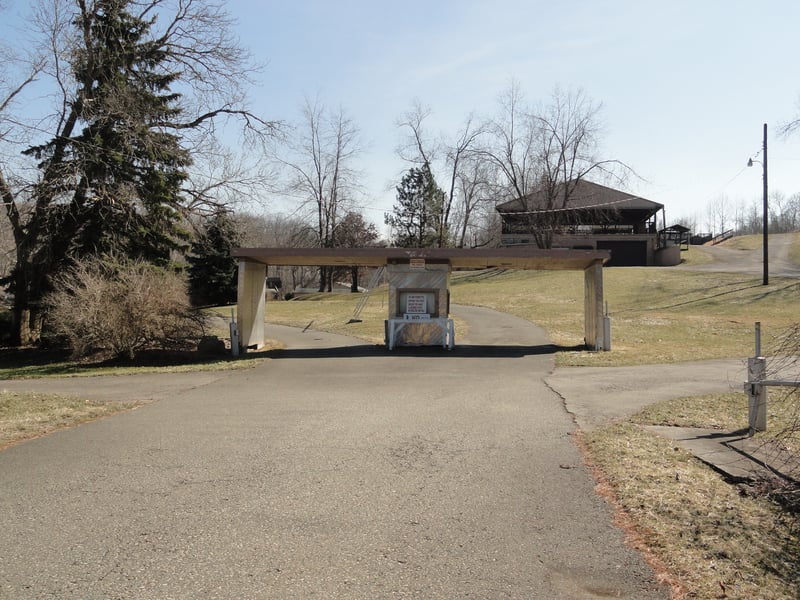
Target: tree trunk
[(325, 279), (26, 316), (354, 277), (27, 326)]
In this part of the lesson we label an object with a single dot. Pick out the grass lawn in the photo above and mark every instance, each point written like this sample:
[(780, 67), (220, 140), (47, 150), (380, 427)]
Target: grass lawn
[(658, 315), (27, 415), (710, 538), (17, 368), (715, 539)]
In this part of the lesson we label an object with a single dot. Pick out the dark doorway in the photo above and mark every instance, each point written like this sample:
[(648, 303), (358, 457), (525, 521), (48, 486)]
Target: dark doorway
[(625, 254)]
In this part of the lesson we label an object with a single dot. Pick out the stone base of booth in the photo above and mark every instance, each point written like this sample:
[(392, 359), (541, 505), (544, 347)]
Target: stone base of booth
[(431, 332)]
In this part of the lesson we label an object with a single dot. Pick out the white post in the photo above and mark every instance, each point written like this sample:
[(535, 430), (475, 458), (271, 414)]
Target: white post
[(758, 338), (593, 306), (251, 304), (606, 330)]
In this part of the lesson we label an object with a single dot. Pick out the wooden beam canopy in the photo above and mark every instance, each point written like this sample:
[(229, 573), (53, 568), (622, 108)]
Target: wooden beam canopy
[(253, 269), (522, 257)]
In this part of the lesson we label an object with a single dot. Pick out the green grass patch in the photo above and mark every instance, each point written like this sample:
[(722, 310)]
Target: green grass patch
[(27, 415)]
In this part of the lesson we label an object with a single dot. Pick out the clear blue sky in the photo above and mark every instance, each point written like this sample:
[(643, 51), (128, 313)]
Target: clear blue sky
[(686, 86)]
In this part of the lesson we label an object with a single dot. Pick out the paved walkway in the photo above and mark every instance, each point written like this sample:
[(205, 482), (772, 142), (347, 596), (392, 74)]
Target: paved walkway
[(418, 473), (599, 395), (737, 260)]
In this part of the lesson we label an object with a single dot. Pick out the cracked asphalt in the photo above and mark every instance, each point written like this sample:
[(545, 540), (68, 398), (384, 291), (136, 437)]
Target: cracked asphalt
[(332, 470)]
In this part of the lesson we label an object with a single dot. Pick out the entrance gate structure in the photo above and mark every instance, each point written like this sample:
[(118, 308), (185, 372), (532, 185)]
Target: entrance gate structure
[(419, 298)]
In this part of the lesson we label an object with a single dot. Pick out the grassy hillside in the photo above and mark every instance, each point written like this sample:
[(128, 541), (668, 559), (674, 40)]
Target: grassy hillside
[(658, 314)]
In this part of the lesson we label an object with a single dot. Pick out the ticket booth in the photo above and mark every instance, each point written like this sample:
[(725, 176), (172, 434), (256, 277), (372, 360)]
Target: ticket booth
[(419, 304)]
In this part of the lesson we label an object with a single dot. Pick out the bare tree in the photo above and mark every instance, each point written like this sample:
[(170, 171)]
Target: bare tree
[(321, 173), (103, 141), (417, 148), (739, 210), (474, 189), (793, 125), (279, 231), (549, 151), (461, 197), (689, 221), (718, 214), (446, 155), (509, 146), (755, 216), (784, 212)]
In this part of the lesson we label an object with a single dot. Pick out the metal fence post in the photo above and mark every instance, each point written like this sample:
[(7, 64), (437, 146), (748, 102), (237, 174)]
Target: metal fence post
[(756, 394), (234, 335), (607, 330)]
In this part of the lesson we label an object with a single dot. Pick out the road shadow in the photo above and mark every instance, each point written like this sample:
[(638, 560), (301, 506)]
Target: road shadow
[(431, 352), (724, 435)]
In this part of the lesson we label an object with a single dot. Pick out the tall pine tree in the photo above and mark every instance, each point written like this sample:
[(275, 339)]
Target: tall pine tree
[(417, 214), (112, 174)]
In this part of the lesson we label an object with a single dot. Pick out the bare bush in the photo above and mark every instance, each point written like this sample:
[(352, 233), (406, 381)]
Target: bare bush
[(123, 307), (784, 363), (782, 445)]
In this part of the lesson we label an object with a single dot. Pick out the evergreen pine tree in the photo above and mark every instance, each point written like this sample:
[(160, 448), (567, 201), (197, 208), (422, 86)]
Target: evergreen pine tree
[(112, 165), (111, 178), (132, 167), (417, 214), (212, 270)]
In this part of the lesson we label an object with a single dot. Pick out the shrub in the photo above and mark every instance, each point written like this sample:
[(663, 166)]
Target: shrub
[(784, 409), (122, 306)]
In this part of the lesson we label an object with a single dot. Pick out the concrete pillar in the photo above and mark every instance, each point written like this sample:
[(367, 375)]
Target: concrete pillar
[(593, 306), (251, 298)]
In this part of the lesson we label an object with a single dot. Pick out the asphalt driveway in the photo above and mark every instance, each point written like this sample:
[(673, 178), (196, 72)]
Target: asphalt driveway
[(333, 470)]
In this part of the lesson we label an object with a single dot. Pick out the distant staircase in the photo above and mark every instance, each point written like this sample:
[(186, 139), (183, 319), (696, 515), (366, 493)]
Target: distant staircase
[(725, 235), (377, 276)]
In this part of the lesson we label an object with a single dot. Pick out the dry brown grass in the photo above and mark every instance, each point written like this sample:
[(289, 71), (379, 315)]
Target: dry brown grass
[(756, 241), (711, 411), (657, 315), (794, 251), (27, 415), (718, 540)]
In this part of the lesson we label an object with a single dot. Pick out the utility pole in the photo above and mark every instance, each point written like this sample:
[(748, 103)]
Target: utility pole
[(766, 213)]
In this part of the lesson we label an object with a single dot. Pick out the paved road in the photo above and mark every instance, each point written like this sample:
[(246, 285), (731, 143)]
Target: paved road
[(599, 395), (334, 470), (736, 260)]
